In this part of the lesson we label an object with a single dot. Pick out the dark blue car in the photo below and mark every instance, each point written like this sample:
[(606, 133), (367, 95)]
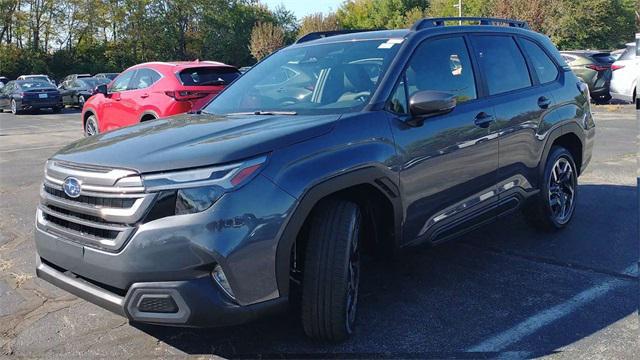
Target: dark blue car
[(29, 95)]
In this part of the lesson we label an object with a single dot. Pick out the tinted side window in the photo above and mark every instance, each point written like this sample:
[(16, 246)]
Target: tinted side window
[(398, 102), (501, 63), (122, 82), (144, 78), (442, 65), (544, 67)]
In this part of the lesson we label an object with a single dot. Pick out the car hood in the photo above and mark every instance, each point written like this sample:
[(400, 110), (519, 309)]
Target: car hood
[(193, 140)]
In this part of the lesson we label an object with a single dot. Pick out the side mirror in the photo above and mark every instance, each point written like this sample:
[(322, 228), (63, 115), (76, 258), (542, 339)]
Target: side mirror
[(428, 102), (101, 89)]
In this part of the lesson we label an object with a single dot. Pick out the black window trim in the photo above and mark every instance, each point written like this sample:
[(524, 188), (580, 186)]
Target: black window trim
[(481, 93)]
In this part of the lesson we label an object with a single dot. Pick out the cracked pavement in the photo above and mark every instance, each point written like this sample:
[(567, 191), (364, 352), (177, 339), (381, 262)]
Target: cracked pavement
[(502, 289)]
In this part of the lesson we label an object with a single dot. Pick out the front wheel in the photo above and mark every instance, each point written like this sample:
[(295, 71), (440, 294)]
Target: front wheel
[(553, 208), (81, 101), (91, 126), (332, 271)]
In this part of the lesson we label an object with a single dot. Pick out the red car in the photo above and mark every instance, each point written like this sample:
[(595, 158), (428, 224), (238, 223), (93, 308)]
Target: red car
[(153, 90)]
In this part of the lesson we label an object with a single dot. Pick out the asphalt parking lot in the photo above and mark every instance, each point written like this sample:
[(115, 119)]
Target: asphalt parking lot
[(503, 289)]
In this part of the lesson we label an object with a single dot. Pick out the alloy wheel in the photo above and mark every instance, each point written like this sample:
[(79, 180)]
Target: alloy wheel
[(14, 107), (562, 183), (91, 128)]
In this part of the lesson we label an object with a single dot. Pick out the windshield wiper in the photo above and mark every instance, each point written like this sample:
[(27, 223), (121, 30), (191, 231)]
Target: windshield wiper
[(265, 113)]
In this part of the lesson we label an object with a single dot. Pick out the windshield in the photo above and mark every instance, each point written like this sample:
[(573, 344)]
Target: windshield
[(315, 79)]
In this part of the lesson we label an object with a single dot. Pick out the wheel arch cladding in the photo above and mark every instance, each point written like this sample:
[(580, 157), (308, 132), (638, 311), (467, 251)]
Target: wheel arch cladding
[(369, 187)]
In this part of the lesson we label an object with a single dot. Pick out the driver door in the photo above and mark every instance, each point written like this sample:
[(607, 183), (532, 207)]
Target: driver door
[(449, 162), (112, 112)]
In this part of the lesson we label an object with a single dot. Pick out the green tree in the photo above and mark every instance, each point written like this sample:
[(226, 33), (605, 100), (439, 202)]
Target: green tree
[(380, 14), (265, 39), (593, 24), (318, 22)]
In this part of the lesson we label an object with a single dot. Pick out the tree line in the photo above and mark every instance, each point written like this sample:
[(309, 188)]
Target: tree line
[(58, 37)]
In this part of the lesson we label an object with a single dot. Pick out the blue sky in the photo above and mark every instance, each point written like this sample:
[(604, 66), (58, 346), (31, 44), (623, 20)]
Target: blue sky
[(305, 7)]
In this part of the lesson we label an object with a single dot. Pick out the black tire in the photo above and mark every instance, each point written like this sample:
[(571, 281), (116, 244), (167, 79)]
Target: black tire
[(81, 101), (553, 208), (331, 271), (91, 126), (57, 109)]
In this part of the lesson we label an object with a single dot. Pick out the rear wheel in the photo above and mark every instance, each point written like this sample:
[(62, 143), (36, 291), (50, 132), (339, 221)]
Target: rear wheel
[(14, 107), (81, 101), (91, 126), (553, 208), (332, 271)]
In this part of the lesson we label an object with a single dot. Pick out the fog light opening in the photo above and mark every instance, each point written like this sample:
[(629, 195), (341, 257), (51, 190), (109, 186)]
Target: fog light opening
[(221, 279)]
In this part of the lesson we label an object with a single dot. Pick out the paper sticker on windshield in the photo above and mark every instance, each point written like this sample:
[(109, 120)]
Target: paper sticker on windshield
[(389, 44)]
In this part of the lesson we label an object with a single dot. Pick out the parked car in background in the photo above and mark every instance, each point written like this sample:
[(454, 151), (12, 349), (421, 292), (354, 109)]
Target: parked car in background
[(75, 76), (408, 137), (76, 92), (3, 80), (36, 77), (29, 95), (625, 74), (108, 76), (244, 69), (617, 53), (152, 90), (594, 68)]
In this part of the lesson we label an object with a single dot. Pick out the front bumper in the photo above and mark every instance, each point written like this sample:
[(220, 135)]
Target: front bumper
[(195, 303), (175, 255)]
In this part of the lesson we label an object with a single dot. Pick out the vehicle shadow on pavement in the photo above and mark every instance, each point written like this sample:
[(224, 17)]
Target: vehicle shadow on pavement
[(505, 287)]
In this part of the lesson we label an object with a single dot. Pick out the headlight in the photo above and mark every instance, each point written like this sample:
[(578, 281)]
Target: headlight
[(195, 190)]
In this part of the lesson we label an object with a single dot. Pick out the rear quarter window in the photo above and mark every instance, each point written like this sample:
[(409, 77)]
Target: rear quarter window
[(208, 76), (544, 67)]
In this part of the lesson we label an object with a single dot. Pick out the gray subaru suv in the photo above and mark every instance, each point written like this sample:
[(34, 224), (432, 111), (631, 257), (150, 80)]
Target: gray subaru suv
[(340, 145)]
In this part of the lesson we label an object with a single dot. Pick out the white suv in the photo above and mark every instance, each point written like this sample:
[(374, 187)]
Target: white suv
[(625, 74), (36, 77)]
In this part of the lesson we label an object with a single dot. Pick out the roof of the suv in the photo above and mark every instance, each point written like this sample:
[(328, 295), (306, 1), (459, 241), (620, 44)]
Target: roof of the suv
[(403, 33)]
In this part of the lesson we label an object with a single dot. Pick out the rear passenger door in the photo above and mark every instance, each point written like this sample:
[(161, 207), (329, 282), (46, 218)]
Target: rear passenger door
[(141, 98), (448, 161), (521, 91)]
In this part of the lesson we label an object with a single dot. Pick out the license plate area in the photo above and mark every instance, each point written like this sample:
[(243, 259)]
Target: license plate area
[(43, 96)]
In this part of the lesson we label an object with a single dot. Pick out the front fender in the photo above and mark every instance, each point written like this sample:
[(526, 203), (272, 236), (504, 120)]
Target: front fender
[(360, 150)]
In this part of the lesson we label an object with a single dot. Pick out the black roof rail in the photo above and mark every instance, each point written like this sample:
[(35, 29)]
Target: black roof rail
[(434, 22), (323, 34)]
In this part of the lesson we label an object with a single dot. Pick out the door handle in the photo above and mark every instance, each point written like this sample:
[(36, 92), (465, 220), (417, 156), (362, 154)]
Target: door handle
[(544, 102), (144, 96), (483, 120)]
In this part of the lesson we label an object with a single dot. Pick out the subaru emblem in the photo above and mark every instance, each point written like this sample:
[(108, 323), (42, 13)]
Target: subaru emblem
[(71, 187)]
